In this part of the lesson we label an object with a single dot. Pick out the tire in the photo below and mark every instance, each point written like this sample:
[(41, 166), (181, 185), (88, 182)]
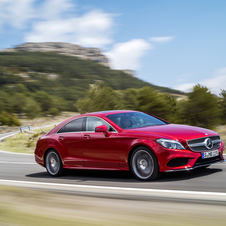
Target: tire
[(144, 164), (53, 163)]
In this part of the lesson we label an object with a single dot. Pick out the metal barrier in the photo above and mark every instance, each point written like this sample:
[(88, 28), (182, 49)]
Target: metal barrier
[(25, 128)]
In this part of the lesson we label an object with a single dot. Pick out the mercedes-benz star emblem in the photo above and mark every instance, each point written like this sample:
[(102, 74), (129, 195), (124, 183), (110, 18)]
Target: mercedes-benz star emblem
[(208, 143)]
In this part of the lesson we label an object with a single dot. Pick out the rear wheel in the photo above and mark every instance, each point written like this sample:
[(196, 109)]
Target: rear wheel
[(144, 164), (53, 163)]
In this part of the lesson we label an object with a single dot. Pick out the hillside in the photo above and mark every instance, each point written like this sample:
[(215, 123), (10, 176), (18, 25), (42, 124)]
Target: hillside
[(37, 83), (54, 72)]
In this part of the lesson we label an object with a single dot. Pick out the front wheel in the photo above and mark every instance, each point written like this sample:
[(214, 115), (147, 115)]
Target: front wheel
[(143, 164), (53, 163)]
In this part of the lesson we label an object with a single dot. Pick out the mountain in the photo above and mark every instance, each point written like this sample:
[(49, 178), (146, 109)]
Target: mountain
[(58, 65)]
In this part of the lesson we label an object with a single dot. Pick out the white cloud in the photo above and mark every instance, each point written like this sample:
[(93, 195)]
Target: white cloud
[(50, 31), (215, 84), (127, 55), (91, 29), (16, 13), (94, 29), (55, 20), (54, 9), (185, 87), (162, 39)]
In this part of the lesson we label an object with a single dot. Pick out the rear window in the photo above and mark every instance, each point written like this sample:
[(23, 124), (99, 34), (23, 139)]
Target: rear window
[(73, 126)]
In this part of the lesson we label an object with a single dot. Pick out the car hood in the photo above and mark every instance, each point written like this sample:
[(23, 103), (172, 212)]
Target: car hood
[(174, 131)]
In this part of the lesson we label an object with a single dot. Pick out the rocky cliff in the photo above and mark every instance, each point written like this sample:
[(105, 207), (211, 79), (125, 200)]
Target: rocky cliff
[(93, 54)]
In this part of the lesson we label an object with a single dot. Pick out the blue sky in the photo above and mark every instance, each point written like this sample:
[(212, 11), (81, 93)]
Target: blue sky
[(172, 43)]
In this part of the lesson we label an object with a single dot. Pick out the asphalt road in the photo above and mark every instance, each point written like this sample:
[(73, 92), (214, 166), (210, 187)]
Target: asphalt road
[(22, 167), (197, 185)]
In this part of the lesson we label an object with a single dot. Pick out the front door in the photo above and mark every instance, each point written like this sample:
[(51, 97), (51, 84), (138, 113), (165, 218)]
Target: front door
[(99, 151)]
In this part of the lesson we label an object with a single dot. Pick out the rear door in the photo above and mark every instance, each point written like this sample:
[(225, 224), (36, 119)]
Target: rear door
[(70, 138)]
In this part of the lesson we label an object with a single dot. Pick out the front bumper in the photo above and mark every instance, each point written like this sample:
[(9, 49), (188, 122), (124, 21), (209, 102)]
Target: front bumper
[(195, 166), (193, 159)]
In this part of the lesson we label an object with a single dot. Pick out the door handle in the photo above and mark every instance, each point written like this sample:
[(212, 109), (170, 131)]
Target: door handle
[(61, 138), (86, 136)]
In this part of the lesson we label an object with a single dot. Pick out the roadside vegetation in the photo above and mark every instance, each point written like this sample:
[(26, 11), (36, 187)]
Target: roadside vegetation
[(199, 108), (101, 97), (24, 142)]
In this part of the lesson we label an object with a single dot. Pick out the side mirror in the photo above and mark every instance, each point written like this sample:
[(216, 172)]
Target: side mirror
[(102, 128)]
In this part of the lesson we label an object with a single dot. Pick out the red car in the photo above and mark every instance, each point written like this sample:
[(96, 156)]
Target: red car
[(127, 140)]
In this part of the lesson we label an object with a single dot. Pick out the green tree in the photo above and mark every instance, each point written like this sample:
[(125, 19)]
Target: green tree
[(5, 102), (201, 108), (44, 100), (150, 101), (9, 119), (223, 105), (174, 107), (32, 108), (129, 97), (20, 88), (53, 111), (19, 101), (99, 98)]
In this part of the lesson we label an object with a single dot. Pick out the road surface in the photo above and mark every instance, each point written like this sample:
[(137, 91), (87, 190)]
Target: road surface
[(23, 168)]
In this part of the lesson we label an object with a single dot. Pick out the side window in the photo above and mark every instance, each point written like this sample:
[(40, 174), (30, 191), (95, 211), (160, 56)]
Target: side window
[(93, 122), (73, 126)]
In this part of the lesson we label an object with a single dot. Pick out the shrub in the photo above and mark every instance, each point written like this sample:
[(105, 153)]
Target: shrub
[(99, 98), (150, 101), (53, 111), (9, 119), (201, 108)]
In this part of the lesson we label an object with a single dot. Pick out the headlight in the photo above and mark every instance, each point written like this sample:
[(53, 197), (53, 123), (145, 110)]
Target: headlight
[(170, 144)]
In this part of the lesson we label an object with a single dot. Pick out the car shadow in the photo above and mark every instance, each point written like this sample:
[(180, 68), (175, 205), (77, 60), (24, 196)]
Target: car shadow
[(87, 175), (125, 176)]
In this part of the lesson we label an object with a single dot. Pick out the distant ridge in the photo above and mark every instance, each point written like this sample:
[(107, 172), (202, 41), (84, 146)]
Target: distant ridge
[(68, 49)]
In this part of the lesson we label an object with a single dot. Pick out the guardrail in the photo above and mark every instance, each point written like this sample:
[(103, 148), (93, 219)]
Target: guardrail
[(23, 128)]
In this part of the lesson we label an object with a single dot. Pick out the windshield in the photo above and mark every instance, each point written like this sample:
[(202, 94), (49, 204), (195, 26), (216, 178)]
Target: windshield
[(132, 120)]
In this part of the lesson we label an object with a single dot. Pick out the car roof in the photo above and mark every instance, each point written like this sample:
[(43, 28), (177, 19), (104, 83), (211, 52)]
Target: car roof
[(104, 113)]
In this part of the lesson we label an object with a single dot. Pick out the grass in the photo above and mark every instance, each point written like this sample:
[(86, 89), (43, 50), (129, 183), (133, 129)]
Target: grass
[(25, 207), (23, 142)]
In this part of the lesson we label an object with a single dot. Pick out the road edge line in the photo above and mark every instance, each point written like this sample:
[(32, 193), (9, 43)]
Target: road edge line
[(122, 192)]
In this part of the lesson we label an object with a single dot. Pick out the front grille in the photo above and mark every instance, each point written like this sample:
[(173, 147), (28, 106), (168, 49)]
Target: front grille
[(199, 145), (201, 161)]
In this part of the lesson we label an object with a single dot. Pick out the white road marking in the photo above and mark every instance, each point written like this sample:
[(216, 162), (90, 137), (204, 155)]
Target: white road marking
[(121, 191), (14, 153), (27, 163), (116, 188), (2, 138)]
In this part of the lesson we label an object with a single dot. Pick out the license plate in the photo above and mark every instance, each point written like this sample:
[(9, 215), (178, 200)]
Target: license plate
[(210, 154)]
